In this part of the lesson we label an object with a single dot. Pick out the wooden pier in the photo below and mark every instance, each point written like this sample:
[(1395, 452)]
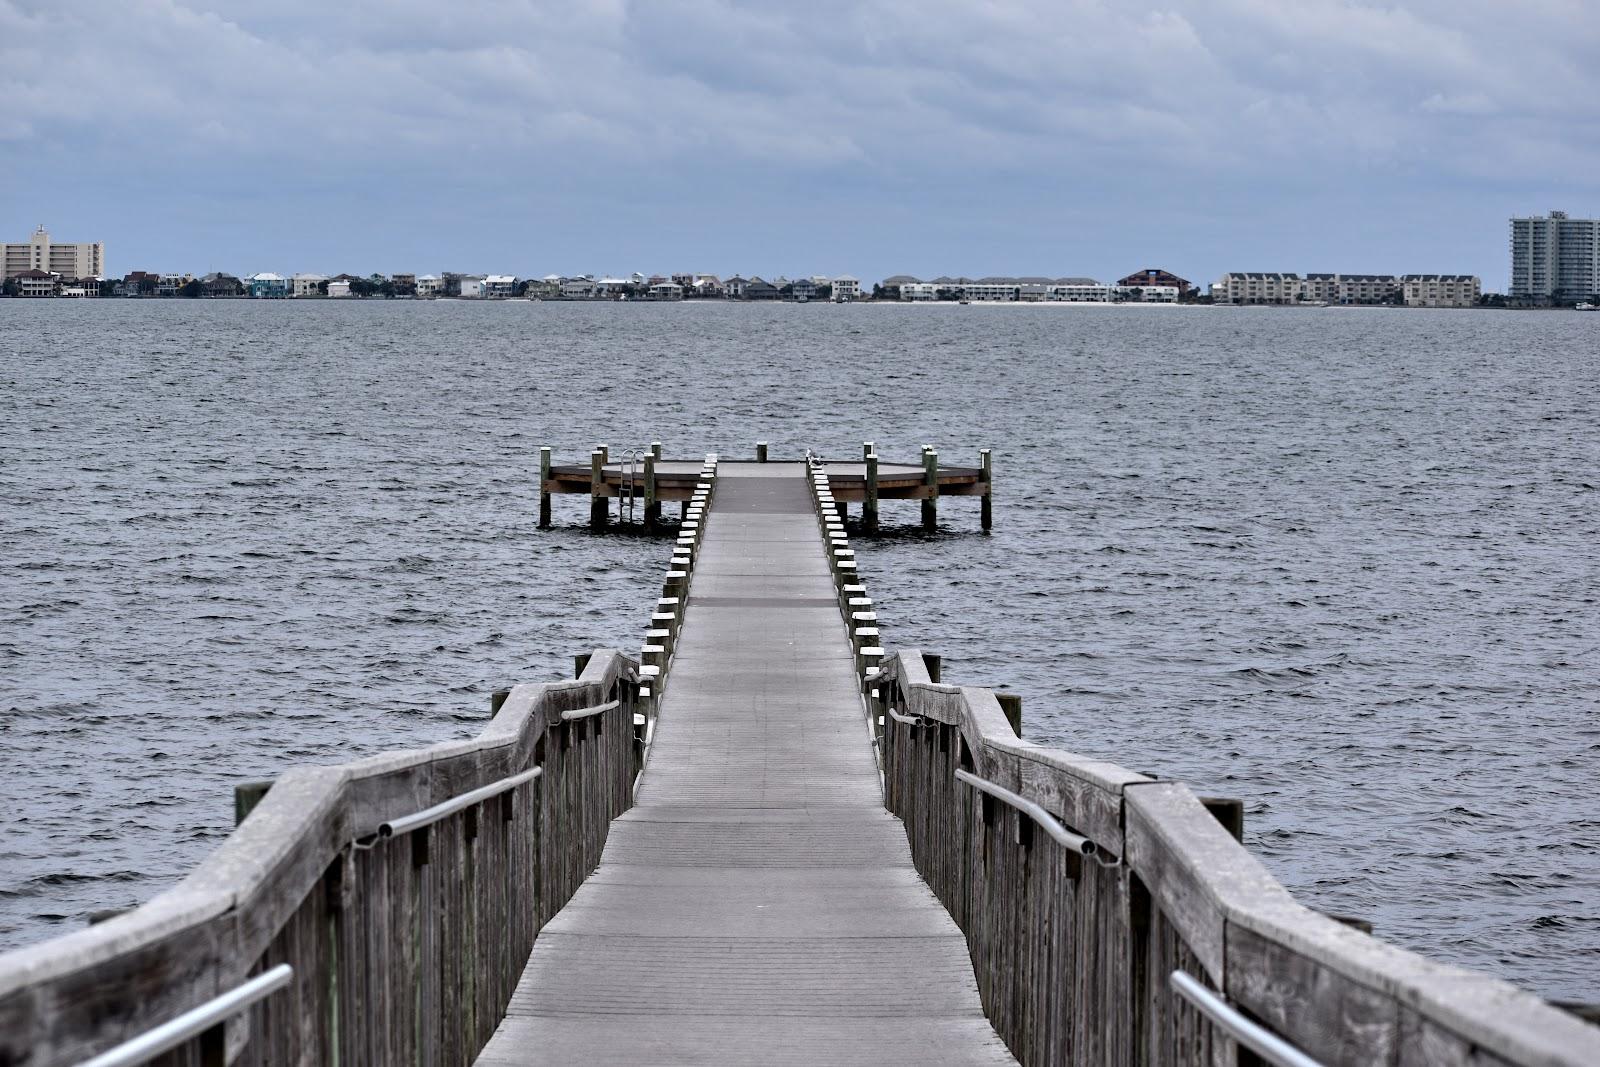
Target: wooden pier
[(641, 480), (761, 838)]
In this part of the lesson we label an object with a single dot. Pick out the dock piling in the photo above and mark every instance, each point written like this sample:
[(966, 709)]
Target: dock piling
[(986, 479), (930, 482), (869, 508), (544, 487), (599, 509), (761, 451), (652, 504)]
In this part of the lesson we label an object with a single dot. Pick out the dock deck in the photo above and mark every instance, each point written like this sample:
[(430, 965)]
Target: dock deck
[(757, 903)]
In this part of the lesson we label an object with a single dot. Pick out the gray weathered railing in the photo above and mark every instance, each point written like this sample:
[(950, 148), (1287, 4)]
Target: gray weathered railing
[(405, 890), (1074, 953), (1083, 887)]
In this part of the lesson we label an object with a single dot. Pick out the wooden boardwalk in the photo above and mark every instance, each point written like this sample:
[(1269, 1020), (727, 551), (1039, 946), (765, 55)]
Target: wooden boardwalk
[(758, 904)]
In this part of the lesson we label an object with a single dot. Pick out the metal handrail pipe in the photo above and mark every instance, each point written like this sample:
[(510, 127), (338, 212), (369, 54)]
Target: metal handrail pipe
[(586, 712), (1043, 819), (1263, 1042), (194, 1022), (428, 816), (908, 720)]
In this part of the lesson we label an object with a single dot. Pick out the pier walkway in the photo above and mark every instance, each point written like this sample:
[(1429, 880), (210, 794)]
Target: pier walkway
[(758, 903)]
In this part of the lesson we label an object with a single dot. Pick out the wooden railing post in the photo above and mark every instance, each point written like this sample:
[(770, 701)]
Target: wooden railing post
[(930, 483), (1011, 704), (246, 795), (761, 451)]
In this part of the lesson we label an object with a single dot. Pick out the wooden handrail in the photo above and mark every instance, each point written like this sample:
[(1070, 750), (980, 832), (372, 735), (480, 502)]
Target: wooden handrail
[(1336, 992), (205, 933)]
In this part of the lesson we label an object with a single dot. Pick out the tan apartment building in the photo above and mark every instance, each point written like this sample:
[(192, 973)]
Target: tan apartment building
[(1256, 287), (1442, 290), (39, 252)]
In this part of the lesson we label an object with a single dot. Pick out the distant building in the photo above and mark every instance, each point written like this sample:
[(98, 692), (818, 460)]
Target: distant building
[(499, 286), (803, 289), (1004, 290), (302, 285), (890, 287), (1082, 291), (473, 288), (339, 289), (666, 291), (218, 285), (1273, 288), (1256, 287), (846, 288), (39, 252), (915, 292), (429, 285), (1555, 259), (1157, 278), (577, 288), (1441, 290), (37, 283), (1148, 294), (268, 286), (707, 287), (756, 289), (734, 287)]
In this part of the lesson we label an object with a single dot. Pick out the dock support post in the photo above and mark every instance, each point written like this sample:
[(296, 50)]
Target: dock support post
[(869, 509), (599, 509), (652, 506), (1011, 704), (867, 449), (544, 488), (843, 509), (986, 479), (655, 450), (930, 483), (761, 451)]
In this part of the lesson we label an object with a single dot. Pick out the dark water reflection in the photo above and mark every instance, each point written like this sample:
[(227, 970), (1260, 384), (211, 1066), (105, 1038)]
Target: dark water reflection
[(1339, 563)]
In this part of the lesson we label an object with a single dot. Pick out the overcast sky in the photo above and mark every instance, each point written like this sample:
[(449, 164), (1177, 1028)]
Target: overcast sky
[(871, 137)]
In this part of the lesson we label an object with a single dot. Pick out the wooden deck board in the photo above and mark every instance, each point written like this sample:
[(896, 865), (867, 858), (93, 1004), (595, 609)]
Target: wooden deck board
[(758, 904)]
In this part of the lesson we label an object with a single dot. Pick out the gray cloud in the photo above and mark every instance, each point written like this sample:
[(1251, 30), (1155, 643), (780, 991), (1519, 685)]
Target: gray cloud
[(1226, 94)]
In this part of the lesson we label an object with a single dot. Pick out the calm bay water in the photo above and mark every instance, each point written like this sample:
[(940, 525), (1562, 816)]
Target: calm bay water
[(1339, 563)]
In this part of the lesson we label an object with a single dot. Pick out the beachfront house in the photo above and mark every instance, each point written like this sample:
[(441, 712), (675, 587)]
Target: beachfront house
[(268, 286), (304, 285)]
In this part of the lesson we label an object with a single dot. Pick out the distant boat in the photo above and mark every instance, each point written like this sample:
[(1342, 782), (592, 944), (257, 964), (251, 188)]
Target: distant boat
[(1314, 303), (1588, 307)]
